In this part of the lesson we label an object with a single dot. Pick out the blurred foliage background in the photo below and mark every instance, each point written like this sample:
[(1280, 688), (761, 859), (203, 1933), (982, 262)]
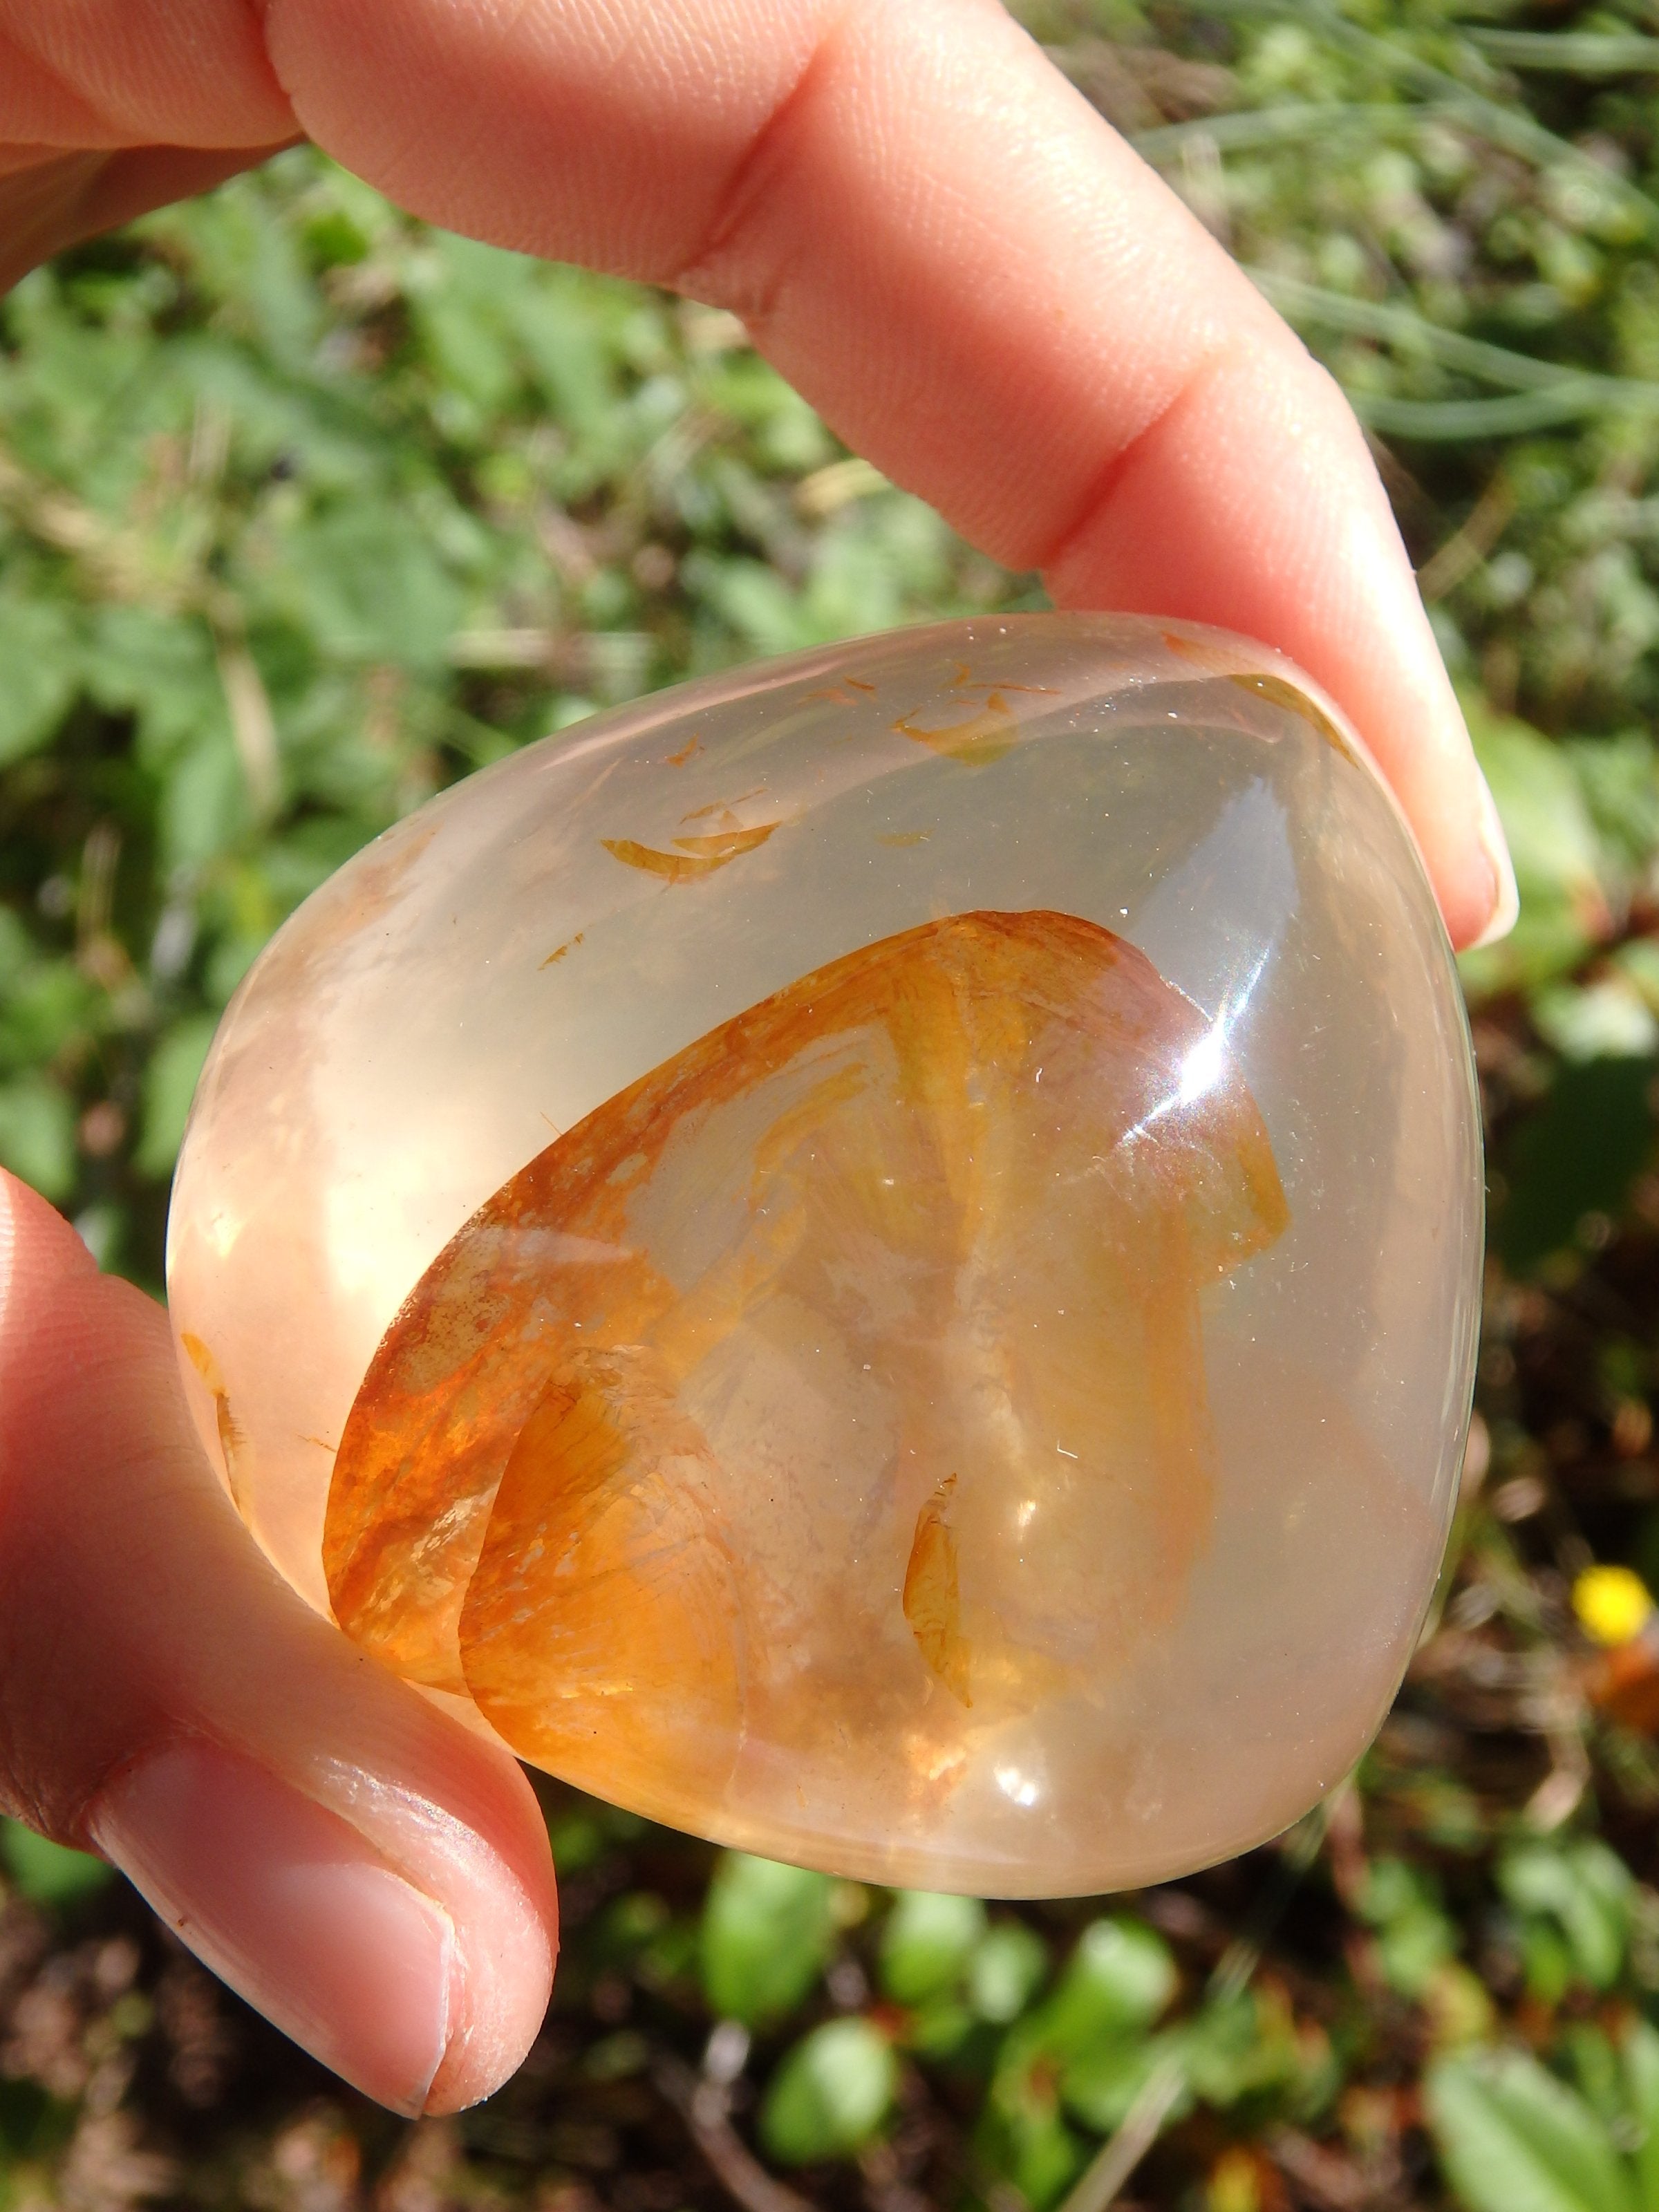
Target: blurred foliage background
[(306, 510)]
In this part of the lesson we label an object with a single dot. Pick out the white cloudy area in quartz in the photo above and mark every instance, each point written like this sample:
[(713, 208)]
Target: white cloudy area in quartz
[(489, 972)]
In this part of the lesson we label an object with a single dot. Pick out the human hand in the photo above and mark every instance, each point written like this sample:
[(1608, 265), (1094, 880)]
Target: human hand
[(984, 290)]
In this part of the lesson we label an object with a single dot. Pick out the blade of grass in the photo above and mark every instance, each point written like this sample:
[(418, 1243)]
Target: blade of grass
[(1397, 325), (1509, 128), (1574, 53), (1439, 422), (1543, 392), (1251, 127), (1117, 2158)]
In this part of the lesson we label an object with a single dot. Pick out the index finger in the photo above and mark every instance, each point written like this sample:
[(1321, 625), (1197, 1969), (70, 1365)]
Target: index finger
[(932, 235), (976, 281)]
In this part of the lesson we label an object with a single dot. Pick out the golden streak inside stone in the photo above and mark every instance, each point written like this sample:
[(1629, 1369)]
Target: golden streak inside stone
[(841, 1380)]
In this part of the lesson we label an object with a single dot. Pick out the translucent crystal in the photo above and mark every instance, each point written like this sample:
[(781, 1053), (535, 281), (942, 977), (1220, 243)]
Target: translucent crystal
[(876, 1257)]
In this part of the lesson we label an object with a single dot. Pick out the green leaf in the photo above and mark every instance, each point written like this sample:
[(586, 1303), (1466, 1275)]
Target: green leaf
[(38, 672), (1513, 2138), (1545, 816), (1022, 2134), (1586, 1889), (1118, 1980), (1007, 1971), (1586, 2054), (1578, 1153), (1604, 1019), (560, 325), (756, 602), (1414, 1937), (1546, 1961), (1100, 2087), (160, 669), (204, 802), (927, 1944), (831, 2093), (37, 1134), (365, 581), (460, 323), (766, 1933), (1557, 855), (170, 1081), (939, 2028), (34, 2125), (1639, 2055), (1237, 2046), (46, 1873), (1088, 2041), (47, 1007), (1620, 779)]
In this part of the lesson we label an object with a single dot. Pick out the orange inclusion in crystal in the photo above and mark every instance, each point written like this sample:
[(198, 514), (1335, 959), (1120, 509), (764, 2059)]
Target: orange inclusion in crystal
[(233, 1445), (1295, 700), (932, 1597), (697, 857), (976, 739), (851, 1355)]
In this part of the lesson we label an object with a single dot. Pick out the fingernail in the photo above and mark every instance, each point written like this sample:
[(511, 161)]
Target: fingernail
[(1506, 901), (289, 1905)]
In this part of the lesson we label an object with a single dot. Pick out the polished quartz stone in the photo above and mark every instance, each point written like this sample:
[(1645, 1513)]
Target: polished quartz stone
[(876, 1257)]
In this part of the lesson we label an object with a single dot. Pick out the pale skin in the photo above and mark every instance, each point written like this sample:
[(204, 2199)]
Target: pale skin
[(984, 290)]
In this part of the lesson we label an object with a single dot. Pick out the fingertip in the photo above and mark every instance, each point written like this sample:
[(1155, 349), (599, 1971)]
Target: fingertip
[(456, 1818), (507, 1944), (491, 2040), (290, 1905), (1504, 908), (34, 1234), (402, 1951)]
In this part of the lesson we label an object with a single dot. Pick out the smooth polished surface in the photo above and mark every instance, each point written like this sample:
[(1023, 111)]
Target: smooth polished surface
[(876, 1257)]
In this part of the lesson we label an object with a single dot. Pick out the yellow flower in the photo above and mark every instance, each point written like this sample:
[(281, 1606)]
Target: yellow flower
[(1612, 1604)]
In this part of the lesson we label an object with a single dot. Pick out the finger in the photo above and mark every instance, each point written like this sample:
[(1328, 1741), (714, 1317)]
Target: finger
[(107, 111), (360, 1868), (85, 74), (50, 200), (977, 283), (933, 237)]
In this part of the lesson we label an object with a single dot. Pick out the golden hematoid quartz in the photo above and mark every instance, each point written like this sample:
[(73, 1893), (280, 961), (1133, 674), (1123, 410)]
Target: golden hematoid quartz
[(876, 1257)]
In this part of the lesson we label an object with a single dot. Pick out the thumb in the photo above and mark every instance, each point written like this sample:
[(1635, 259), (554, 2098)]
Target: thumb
[(370, 1875)]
